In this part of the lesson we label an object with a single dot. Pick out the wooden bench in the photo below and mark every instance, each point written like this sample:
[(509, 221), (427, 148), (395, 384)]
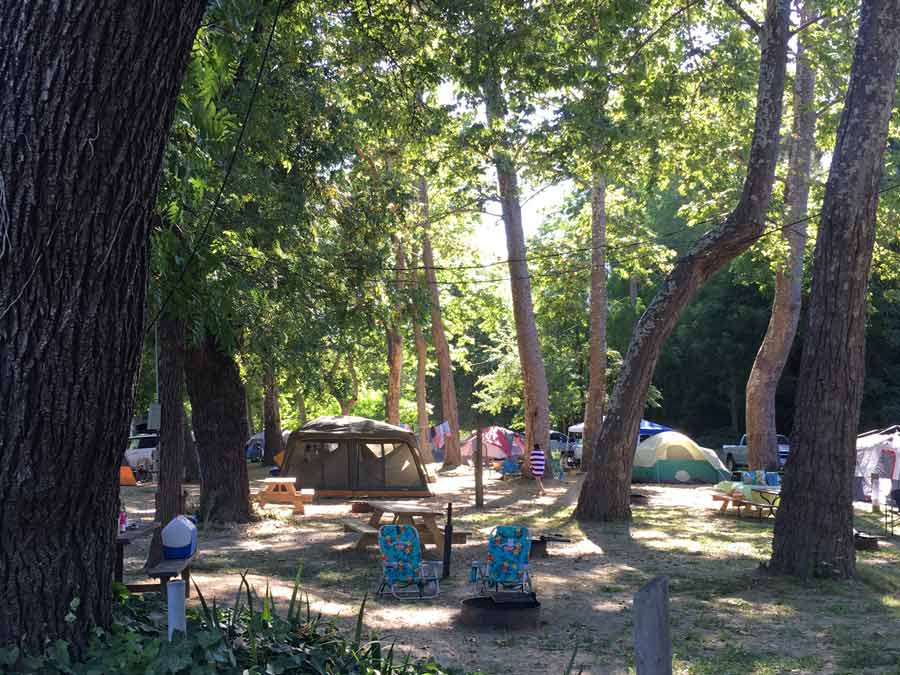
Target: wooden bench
[(539, 544), (165, 570), (741, 504), (351, 525)]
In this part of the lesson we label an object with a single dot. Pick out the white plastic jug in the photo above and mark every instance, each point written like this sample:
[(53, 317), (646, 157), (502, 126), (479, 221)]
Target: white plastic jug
[(179, 538)]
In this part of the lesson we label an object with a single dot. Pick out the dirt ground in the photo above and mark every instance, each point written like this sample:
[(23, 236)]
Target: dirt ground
[(726, 617)]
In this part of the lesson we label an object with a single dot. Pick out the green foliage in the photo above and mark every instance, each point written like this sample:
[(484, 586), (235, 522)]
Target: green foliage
[(251, 637)]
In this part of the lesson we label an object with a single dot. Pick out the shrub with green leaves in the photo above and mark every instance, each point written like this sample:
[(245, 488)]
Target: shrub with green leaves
[(248, 637)]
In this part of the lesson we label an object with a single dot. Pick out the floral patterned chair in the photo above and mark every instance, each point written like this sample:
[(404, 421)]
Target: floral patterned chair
[(403, 572), (506, 567)]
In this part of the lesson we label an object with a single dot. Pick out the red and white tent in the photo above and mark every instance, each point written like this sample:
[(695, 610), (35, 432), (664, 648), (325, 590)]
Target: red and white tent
[(496, 443)]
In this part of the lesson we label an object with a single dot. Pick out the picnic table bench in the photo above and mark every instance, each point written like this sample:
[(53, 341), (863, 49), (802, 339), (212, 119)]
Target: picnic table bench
[(162, 570), (741, 504), (282, 490), (126, 538), (423, 517)]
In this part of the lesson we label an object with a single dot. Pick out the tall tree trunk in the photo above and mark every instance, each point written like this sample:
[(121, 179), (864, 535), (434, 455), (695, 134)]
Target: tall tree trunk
[(191, 460), (814, 524), (88, 95), (596, 393), (537, 398), (300, 398), (395, 341), (272, 418), (605, 491), (762, 384), (421, 391), (347, 403), (395, 372), (171, 431), (218, 404), (452, 454)]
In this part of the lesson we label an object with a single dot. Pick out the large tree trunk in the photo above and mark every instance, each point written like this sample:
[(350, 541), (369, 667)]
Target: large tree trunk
[(88, 95), (537, 399), (814, 524), (596, 393), (605, 492), (171, 431), (452, 455), (218, 404), (272, 418), (422, 391), (762, 384)]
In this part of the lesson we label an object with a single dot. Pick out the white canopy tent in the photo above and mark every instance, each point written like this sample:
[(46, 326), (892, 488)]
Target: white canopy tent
[(877, 453)]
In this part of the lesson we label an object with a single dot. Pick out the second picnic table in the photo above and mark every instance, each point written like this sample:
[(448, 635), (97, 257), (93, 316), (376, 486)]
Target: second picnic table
[(404, 514)]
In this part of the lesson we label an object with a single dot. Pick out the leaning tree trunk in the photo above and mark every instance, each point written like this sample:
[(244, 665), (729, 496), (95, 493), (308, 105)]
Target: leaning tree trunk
[(605, 492), (762, 384), (272, 418), (300, 398), (452, 454), (171, 426), (218, 405), (596, 393), (422, 391), (88, 95), (814, 524), (537, 398)]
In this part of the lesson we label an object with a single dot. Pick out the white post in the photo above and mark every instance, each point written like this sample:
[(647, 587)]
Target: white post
[(875, 493), (175, 597)]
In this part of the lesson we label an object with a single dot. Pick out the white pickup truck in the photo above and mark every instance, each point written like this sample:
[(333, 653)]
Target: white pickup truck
[(735, 456)]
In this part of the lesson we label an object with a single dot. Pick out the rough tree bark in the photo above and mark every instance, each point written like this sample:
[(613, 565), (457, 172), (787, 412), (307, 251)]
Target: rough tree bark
[(452, 454), (171, 431), (88, 94), (762, 384), (537, 399), (218, 405), (596, 393), (814, 524), (605, 492), (271, 418), (422, 391)]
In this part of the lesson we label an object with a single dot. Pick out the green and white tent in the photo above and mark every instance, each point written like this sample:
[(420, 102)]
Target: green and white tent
[(671, 457)]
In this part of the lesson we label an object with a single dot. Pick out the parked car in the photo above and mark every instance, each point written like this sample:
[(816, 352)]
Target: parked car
[(558, 441), (142, 455), (735, 456)]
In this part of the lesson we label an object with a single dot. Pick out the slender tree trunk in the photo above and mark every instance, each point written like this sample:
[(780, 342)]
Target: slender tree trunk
[(762, 384), (452, 455), (88, 95), (300, 398), (218, 404), (272, 418), (814, 524), (605, 492), (191, 461), (596, 393), (395, 373), (422, 391), (537, 398), (347, 404), (171, 432)]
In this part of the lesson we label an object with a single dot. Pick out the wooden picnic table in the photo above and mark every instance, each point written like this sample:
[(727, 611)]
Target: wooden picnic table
[(423, 518), (127, 538), (282, 490)]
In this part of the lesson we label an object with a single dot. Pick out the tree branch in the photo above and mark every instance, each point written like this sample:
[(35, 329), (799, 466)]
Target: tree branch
[(809, 22), (749, 20)]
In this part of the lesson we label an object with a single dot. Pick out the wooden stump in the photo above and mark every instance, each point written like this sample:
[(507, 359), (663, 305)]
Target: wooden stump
[(652, 642)]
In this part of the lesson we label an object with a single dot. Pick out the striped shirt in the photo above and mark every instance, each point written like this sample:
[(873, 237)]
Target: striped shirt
[(538, 461)]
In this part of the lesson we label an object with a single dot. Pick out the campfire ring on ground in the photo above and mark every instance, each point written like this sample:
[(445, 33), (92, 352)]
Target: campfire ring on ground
[(505, 610)]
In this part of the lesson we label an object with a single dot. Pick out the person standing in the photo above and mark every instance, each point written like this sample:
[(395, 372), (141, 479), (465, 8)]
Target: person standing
[(538, 463)]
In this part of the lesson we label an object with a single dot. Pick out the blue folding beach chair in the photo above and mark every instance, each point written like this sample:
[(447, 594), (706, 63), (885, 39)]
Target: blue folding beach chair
[(506, 568), (403, 572)]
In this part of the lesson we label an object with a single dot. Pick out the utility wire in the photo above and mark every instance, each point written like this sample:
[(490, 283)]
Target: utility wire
[(230, 166)]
